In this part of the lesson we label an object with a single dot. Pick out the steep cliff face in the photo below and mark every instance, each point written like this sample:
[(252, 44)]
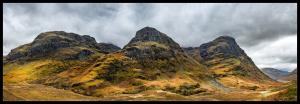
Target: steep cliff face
[(224, 57), (58, 44), (194, 52)]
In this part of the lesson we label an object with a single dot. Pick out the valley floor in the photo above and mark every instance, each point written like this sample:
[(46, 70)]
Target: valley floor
[(37, 92)]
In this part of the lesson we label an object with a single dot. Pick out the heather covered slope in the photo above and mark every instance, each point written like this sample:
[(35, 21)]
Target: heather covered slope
[(224, 56), (50, 54), (228, 63), (150, 58)]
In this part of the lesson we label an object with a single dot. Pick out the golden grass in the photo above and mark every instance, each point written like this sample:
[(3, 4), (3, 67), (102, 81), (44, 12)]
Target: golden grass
[(20, 73), (98, 68), (92, 83), (176, 81), (37, 92), (110, 90), (234, 81)]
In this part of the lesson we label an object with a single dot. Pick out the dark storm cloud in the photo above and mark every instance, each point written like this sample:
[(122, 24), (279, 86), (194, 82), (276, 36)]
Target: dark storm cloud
[(188, 24)]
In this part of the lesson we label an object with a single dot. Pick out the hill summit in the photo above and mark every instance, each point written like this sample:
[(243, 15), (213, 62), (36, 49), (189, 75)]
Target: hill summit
[(228, 63), (61, 45)]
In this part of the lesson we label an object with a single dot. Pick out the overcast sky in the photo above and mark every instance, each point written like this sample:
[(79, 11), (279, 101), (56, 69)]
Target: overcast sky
[(267, 32)]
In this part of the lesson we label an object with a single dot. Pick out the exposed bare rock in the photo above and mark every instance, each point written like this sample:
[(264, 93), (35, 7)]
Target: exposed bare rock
[(107, 47), (153, 44), (58, 44)]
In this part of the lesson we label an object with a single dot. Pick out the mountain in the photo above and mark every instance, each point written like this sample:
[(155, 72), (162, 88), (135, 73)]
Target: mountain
[(59, 44), (51, 53), (4, 59), (274, 73), (291, 76), (150, 61), (228, 63), (151, 56)]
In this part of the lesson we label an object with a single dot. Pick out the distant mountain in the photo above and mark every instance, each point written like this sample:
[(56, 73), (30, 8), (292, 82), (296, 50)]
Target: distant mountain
[(291, 76), (4, 59), (275, 73)]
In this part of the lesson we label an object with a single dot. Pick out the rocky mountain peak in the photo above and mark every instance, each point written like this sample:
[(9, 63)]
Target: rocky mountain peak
[(223, 45), (54, 36), (147, 31), (225, 51), (151, 43), (149, 34), (59, 43), (224, 37)]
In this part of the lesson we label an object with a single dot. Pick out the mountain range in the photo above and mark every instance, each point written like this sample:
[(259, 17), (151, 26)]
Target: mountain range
[(275, 73), (150, 61), (290, 76)]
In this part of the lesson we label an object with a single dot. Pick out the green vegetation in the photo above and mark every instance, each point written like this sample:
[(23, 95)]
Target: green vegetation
[(170, 88), (189, 89), (135, 90), (185, 89), (137, 83), (289, 92), (117, 71), (239, 71), (132, 91), (250, 87), (33, 70)]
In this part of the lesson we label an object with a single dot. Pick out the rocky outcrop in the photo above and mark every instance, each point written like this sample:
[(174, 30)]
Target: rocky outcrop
[(58, 44), (274, 73), (107, 47), (223, 46), (150, 43), (194, 52), (147, 34)]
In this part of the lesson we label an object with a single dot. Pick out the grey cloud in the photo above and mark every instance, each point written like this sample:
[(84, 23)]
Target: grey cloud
[(188, 24)]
